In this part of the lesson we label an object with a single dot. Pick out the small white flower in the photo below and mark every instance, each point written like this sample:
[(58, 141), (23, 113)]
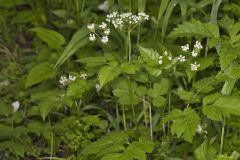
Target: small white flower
[(104, 6), (194, 66), (160, 61), (160, 57), (165, 53), (92, 37), (15, 106), (72, 78), (107, 31), (169, 58), (194, 53), (143, 15), (185, 48), (199, 129), (83, 76), (104, 39), (63, 80), (98, 87), (5, 83), (198, 45), (181, 58), (91, 27), (103, 25)]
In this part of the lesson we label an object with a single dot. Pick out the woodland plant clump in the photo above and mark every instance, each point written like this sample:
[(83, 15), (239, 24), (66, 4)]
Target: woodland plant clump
[(123, 80)]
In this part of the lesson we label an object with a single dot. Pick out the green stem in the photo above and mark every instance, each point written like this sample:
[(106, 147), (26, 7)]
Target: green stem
[(124, 118), (129, 45), (222, 135), (132, 100), (169, 101), (150, 119), (117, 113), (206, 48), (138, 35)]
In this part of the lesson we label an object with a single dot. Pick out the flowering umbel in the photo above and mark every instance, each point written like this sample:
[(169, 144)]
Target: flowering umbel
[(118, 21)]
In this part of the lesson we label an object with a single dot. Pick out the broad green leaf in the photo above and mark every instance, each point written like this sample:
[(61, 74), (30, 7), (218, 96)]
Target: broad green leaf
[(78, 40), (93, 61), (128, 68), (126, 92), (39, 73), (222, 106), (205, 151), (197, 29), (149, 55), (107, 74), (5, 110), (159, 101), (159, 88), (76, 89), (185, 95), (185, 123), (51, 37)]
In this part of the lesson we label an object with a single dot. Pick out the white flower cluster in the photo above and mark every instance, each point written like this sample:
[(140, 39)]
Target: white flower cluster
[(194, 66), (106, 31), (197, 47), (181, 58), (160, 58), (118, 20), (83, 76), (196, 50), (185, 48), (66, 80)]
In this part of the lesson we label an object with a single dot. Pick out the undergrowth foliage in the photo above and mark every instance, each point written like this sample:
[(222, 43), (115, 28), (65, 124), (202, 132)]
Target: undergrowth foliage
[(123, 80)]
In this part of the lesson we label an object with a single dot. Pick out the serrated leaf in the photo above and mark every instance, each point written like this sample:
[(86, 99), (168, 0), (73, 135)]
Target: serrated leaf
[(197, 29), (205, 152), (185, 123), (149, 55), (39, 73), (159, 88), (76, 89), (51, 37), (107, 74), (126, 92), (159, 101)]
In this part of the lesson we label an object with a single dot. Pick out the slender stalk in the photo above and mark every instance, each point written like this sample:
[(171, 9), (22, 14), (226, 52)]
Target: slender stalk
[(138, 35), (117, 113), (222, 135), (131, 98), (129, 45), (150, 119), (169, 100), (124, 118)]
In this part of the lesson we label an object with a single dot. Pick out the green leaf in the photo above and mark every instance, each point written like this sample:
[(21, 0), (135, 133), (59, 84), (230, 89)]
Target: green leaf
[(107, 74), (76, 89), (197, 29), (51, 37), (5, 110), (93, 61), (185, 123), (185, 95), (159, 88), (128, 68), (39, 73), (205, 151), (126, 92), (223, 106), (78, 40), (159, 101), (149, 55)]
